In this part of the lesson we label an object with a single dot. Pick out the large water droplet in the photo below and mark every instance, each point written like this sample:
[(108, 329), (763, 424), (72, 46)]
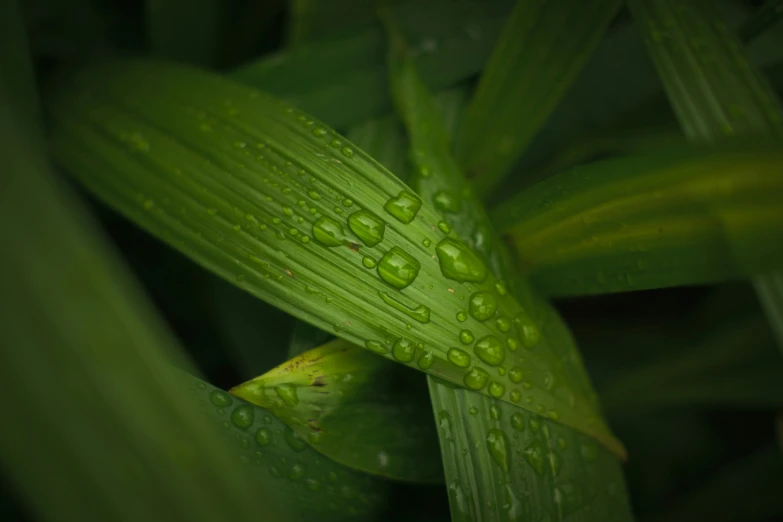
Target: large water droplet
[(287, 392), (404, 207), (293, 440), (476, 378), (328, 232), (367, 227), (220, 398), (535, 455), (404, 350), (398, 268), (528, 330), (459, 263), (426, 360), (482, 305), (490, 350), (497, 445), (263, 437), (243, 416), (458, 357), (496, 389)]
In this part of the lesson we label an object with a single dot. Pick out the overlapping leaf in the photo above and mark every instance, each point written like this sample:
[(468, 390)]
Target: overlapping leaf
[(277, 203)]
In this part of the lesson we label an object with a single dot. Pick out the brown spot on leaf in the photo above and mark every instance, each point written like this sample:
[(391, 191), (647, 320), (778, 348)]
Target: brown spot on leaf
[(354, 246)]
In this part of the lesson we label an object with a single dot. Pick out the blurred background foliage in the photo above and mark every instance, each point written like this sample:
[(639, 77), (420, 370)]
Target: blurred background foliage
[(681, 371)]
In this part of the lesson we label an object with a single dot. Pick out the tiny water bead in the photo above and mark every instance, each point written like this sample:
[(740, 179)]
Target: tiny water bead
[(444, 227), (320, 132), (398, 268), (497, 445), (367, 227), (535, 455), (466, 337), (368, 262), (476, 378), (296, 472), (482, 305), (490, 350), (263, 437), (446, 201), (404, 350), (377, 347), (496, 389), (426, 360), (403, 207), (494, 412), (458, 357), (426, 242), (287, 392), (512, 344), (462, 316), (243, 416), (328, 232), (347, 152), (312, 194), (503, 324), (515, 395), (220, 399)]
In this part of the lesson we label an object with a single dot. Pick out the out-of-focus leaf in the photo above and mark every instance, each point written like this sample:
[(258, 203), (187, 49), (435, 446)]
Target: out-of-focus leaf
[(344, 81), (716, 92), (737, 364), (765, 17), (16, 70), (386, 137), (683, 216), (541, 50), (316, 20), (278, 204), (305, 337), (500, 464), (186, 30), (748, 490), (286, 467), (354, 407)]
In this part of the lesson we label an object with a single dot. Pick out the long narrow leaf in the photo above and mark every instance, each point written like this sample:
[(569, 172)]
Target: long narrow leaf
[(280, 205), (543, 47), (344, 82), (686, 216), (767, 16), (192, 38), (500, 463), (716, 92), (354, 407)]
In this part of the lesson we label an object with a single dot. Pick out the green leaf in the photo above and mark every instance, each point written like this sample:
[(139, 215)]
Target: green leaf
[(284, 465), (304, 338), (195, 38), (313, 21), (354, 407), (17, 81), (542, 49), (767, 16), (500, 463), (683, 216), (344, 81), (716, 92), (228, 175), (736, 364)]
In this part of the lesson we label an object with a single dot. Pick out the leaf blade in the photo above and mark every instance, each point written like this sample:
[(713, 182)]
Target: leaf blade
[(499, 122)]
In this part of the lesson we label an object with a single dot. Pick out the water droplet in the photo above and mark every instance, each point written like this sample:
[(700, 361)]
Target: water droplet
[(496, 389), (320, 132), (466, 337), (494, 412), (553, 414), (535, 455), (446, 202), (296, 472), (503, 324), (516, 395), (328, 232), (335, 143), (460, 263), (518, 422), (497, 445), (304, 239), (404, 207), (288, 211), (347, 152), (377, 347), (312, 484), (473, 410), (528, 329), (421, 313), (535, 424), (287, 392), (490, 350), (404, 350), (476, 378), (426, 242), (426, 360), (398, 268), (458, 357), (201, 386), (512, 344), (293, 440), (368, 262), (444, 227), (367, 227), (501, 289), (348, 202), (243, 416), (312, 194), (220, 399), (462, 317), (482, 305), (263, 437)]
